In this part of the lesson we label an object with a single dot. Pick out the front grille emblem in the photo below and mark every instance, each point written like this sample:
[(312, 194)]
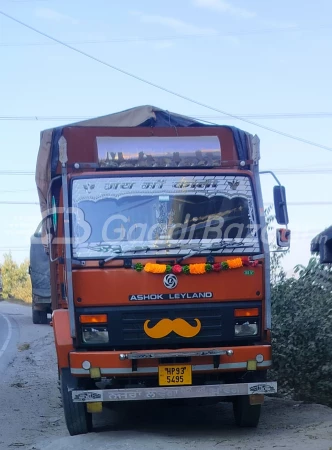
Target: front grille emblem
[(170, 281)]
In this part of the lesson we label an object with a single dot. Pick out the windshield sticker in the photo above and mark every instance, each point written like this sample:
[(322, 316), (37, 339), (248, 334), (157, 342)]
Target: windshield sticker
[(101, 188)]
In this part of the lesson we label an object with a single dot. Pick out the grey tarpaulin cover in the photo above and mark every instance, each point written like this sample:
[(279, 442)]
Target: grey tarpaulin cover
[(135, 117)]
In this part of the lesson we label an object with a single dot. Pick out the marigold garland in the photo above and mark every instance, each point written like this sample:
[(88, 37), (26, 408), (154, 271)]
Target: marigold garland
[(234, 263), (196, 269), (155, 268)]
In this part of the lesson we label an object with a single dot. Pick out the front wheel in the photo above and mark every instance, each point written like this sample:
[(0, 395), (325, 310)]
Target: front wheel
[(245, 414), (78, 420)]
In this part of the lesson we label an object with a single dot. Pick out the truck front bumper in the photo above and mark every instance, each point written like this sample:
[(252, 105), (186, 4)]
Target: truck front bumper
[(202, 360), (174, 392)]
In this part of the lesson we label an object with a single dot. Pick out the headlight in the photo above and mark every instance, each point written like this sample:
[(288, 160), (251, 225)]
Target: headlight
[(246, 329), (95, 335)]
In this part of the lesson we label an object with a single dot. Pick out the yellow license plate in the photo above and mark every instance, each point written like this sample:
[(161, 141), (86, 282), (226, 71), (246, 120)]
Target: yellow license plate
[(175, 375)]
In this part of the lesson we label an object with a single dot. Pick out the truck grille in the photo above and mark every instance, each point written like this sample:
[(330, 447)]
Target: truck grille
[(126, 324), (209, 318)]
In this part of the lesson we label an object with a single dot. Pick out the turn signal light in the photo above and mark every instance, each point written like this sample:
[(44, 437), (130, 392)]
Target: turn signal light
[(96, 318), (248, 312)]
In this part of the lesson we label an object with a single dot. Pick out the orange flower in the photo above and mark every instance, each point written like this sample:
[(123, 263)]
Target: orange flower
[(155, 268), (197, 269), (234, 263)]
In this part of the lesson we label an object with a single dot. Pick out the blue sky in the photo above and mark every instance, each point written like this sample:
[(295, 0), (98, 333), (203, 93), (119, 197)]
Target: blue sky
[(242, 57)]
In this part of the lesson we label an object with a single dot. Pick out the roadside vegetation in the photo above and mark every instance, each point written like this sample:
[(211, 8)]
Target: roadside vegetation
[(16, 283), (302, 329)]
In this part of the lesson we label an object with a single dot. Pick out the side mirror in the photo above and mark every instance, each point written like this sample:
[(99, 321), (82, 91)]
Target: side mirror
[(283, 237), (280, 205)]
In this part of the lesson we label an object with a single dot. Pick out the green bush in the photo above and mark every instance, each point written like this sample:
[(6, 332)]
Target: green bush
[(302, 332), (16, 279)]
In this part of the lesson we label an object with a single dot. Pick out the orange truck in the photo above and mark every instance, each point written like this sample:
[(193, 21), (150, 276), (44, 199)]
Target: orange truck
[(159, 262)]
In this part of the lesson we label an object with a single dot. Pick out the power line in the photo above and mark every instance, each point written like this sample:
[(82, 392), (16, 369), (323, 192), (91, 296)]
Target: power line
[(16, 249), (169, 91), (313, 203), (298, 171), (282, 115), (304, 172), (312, 115), (17, 203), (43, 118), (129, 39), (16, 191), (26, 1), (15, 172)]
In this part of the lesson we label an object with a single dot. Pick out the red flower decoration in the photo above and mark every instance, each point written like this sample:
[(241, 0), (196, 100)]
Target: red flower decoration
[(177, 268), (245, 261), (216, 267)]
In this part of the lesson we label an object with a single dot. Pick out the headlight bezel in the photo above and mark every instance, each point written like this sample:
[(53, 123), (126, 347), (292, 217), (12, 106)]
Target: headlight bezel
[(247, 328), (95, 334)]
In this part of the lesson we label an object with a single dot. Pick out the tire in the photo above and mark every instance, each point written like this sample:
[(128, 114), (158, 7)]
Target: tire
[(246, 415), (35, 316), (43, 317), (78, 420)]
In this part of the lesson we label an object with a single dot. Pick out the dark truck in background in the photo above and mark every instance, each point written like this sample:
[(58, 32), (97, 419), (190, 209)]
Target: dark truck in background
[(39, 271), (322, 245)]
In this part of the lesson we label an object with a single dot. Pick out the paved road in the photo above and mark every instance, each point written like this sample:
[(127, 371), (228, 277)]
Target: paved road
[(9, 333), (5, 333), (31, 414)]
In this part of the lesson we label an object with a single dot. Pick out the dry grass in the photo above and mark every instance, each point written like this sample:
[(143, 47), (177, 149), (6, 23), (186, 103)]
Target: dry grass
[(23, 347)]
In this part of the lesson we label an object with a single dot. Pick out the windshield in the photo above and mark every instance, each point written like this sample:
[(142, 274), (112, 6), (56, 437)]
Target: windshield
[(166, 214)]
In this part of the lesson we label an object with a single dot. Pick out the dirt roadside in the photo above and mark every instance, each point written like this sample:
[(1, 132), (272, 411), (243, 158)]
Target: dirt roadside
[(31, 415), (29, 399)]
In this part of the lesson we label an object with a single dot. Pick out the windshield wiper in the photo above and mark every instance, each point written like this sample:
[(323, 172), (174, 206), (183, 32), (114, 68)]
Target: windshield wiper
[(141, 249), (216, 246), (193, 251)]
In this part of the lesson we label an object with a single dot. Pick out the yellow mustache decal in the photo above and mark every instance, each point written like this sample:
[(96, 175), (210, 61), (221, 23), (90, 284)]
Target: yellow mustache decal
[(165, 326)]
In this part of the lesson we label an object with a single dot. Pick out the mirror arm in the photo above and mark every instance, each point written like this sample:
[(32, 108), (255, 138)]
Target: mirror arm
[(271, 173)]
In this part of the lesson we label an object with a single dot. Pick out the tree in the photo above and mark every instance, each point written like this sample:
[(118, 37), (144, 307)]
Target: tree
[(301, 328), (302, 333), (16, 280)]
